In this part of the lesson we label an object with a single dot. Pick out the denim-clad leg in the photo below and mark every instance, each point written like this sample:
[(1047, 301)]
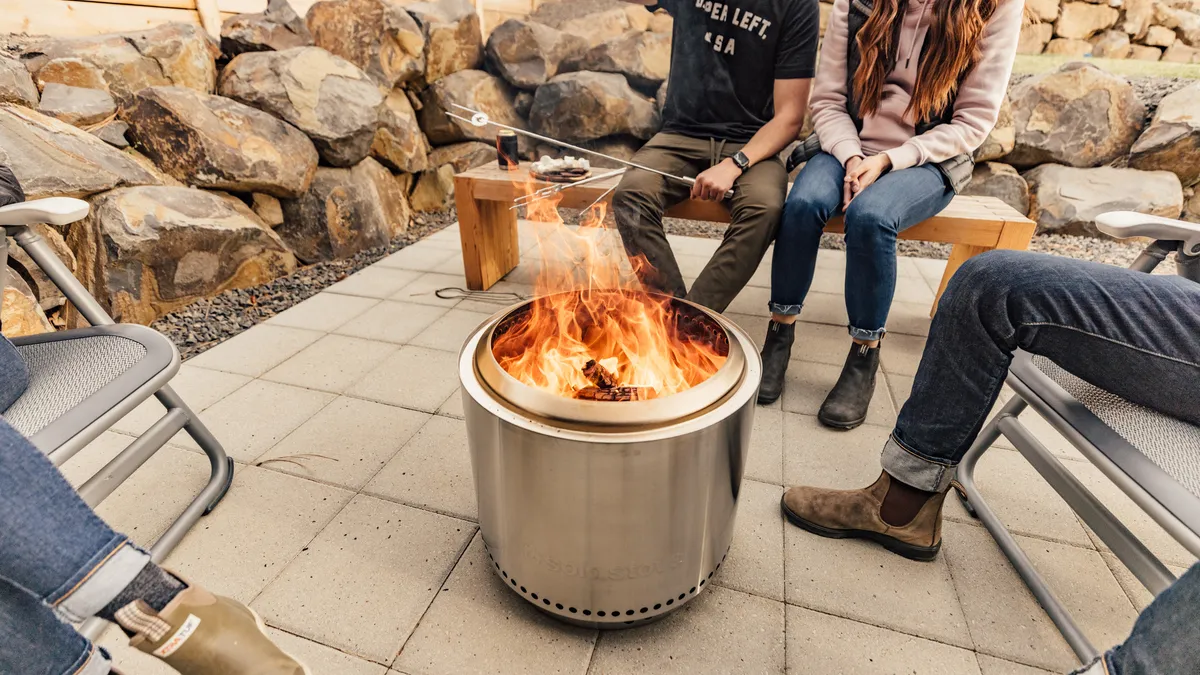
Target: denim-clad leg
[(894, 203), (1166, 637), (814, 199), (1133, 334), (58, 560)]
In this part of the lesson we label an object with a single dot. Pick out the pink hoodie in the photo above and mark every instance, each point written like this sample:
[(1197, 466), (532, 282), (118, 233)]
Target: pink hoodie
[(975, 109)]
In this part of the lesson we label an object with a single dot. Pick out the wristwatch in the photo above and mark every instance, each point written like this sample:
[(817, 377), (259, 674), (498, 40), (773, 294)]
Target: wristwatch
[(741, 160)]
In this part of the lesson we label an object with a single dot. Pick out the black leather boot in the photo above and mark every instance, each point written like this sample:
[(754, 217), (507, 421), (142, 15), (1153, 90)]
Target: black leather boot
[(777, 350), (846, 405)]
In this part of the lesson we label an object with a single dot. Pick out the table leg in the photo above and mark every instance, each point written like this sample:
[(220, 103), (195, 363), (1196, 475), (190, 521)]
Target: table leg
[(488, 231)]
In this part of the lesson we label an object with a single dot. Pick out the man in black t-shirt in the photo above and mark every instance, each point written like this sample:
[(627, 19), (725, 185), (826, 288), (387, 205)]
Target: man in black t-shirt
[(740, 77)]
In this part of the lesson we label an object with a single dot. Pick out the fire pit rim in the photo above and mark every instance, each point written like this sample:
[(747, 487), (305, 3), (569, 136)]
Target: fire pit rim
[(612, 416)]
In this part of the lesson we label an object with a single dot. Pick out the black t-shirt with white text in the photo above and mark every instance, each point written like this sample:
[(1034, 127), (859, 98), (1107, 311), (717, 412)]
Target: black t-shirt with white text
[(725, 58)]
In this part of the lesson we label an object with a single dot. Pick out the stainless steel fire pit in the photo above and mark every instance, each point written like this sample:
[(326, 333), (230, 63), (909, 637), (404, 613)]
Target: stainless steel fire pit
[(608, 514)]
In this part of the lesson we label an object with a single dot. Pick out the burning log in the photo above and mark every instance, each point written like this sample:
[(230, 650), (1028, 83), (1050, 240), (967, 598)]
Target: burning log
[(615, 394), (599, 375)]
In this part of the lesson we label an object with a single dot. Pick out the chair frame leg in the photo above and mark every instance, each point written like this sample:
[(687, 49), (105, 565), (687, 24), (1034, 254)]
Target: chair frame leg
[(178, 415), (1149, 570)]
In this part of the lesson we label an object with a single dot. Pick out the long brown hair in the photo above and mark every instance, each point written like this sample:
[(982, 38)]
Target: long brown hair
[(952, 48)]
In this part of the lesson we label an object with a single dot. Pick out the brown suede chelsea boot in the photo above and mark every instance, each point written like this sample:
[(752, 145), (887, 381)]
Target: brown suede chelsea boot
[(842, 514)]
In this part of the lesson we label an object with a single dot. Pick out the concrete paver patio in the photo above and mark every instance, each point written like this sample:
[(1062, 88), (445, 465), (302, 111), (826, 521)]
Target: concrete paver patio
[(350, 526)]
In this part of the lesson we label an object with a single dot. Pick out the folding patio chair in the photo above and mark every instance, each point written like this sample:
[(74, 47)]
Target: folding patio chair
[(83, 381), (1153, 458)]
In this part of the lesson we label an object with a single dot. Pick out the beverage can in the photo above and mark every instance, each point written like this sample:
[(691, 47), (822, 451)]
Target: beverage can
[(507, 150)]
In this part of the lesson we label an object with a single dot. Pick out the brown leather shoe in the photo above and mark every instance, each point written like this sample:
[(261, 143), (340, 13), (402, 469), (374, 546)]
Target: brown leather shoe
[(843, 514), (199, 633)]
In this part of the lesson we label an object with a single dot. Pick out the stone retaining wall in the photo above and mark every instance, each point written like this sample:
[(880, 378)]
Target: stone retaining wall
[(301, 139)]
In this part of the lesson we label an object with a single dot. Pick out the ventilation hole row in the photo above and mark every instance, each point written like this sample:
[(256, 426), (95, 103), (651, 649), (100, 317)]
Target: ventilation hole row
[(604, 613)]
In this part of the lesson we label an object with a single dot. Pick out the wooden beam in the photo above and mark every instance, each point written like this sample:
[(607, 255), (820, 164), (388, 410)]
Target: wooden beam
[(76, 17), (210, 16)]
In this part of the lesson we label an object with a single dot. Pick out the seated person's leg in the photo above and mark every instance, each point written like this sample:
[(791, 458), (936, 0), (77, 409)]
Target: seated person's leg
[(55, 548), (14, 375), (34, 640), (640, 201), (1133, 334), (755, 209), (1166, 637), (814, 199), (894, 203)]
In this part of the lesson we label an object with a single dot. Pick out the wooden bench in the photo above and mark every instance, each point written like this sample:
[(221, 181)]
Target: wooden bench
[(488, 225)]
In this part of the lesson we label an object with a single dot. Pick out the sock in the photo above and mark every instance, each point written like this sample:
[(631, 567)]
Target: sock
[(902, 503), (153, 585)]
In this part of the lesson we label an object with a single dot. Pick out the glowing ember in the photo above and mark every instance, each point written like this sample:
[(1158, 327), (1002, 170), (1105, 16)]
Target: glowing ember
[(594, 333)]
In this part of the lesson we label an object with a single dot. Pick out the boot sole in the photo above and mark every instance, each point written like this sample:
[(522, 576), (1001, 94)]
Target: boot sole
[(262, 628), (841, 426), (910, 551), (767, 400)]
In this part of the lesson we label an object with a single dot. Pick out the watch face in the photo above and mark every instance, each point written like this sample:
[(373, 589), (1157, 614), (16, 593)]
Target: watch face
[(741, 160)]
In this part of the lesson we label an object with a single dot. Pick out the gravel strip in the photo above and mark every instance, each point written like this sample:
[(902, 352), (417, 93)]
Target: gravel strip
[(207, 323)]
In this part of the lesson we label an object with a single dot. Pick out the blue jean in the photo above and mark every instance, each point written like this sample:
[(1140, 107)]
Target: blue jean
[(1165, 639), (1133, 334), (58, 561), (894, 203)]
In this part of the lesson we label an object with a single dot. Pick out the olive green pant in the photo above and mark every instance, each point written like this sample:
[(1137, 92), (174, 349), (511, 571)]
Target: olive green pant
[(755, 209)]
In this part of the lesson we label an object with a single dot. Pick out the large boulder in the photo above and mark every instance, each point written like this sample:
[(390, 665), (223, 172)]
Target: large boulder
[(1082, 20), (345, 211), (147, 251), (1078, 115), (16, 86), (618, 147), (1144, 53), (596, 21), (48, 295), (54, 159), (1185, 21), (528, 54), (1172, 141), (1181, 53), (644, 58), (584, 106), (215, 142), (399, 142), (992, 179), (1139, 14), (76, 106), (277, 28), (1159, 36), (1043, 10), (1112, 44), (433, 190), (453, 36), (325, 96), (1034, 37), (473, 89), (463, 156), (1002, 138), (19, 312), (1067, 200), (1077, 49), (375, 35), (174, 53)]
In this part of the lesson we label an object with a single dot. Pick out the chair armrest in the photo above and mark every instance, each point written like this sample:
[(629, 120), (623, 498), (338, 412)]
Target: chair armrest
[(52, 211), (1125, 224)]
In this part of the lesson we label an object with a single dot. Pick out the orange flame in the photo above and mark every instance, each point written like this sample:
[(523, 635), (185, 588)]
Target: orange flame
[(591, 306)]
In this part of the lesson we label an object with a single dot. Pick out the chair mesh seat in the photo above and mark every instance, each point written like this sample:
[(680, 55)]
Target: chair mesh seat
[(1171, 444), (64, 373)]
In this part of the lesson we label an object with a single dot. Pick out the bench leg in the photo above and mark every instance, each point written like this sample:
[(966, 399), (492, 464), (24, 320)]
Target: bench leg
[(1014, 236), (960, 254), (488, 230)]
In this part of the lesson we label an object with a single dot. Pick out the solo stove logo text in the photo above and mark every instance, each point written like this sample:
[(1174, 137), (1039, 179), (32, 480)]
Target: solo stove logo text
[(618, 573)]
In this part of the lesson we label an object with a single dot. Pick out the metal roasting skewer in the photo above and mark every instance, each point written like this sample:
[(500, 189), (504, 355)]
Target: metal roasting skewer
[(546, 192), (481, 119)]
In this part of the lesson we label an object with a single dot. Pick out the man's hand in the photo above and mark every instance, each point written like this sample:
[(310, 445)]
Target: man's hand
[(865, 172), (715, 182)]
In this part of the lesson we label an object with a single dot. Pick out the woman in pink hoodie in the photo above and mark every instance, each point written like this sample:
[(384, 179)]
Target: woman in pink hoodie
[(905, 91)]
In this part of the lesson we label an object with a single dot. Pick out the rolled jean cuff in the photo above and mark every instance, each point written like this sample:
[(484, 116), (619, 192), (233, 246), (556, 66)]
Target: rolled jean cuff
[(911, 469), (95, 662), (96, 586), (784, 310), (867, 335)]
